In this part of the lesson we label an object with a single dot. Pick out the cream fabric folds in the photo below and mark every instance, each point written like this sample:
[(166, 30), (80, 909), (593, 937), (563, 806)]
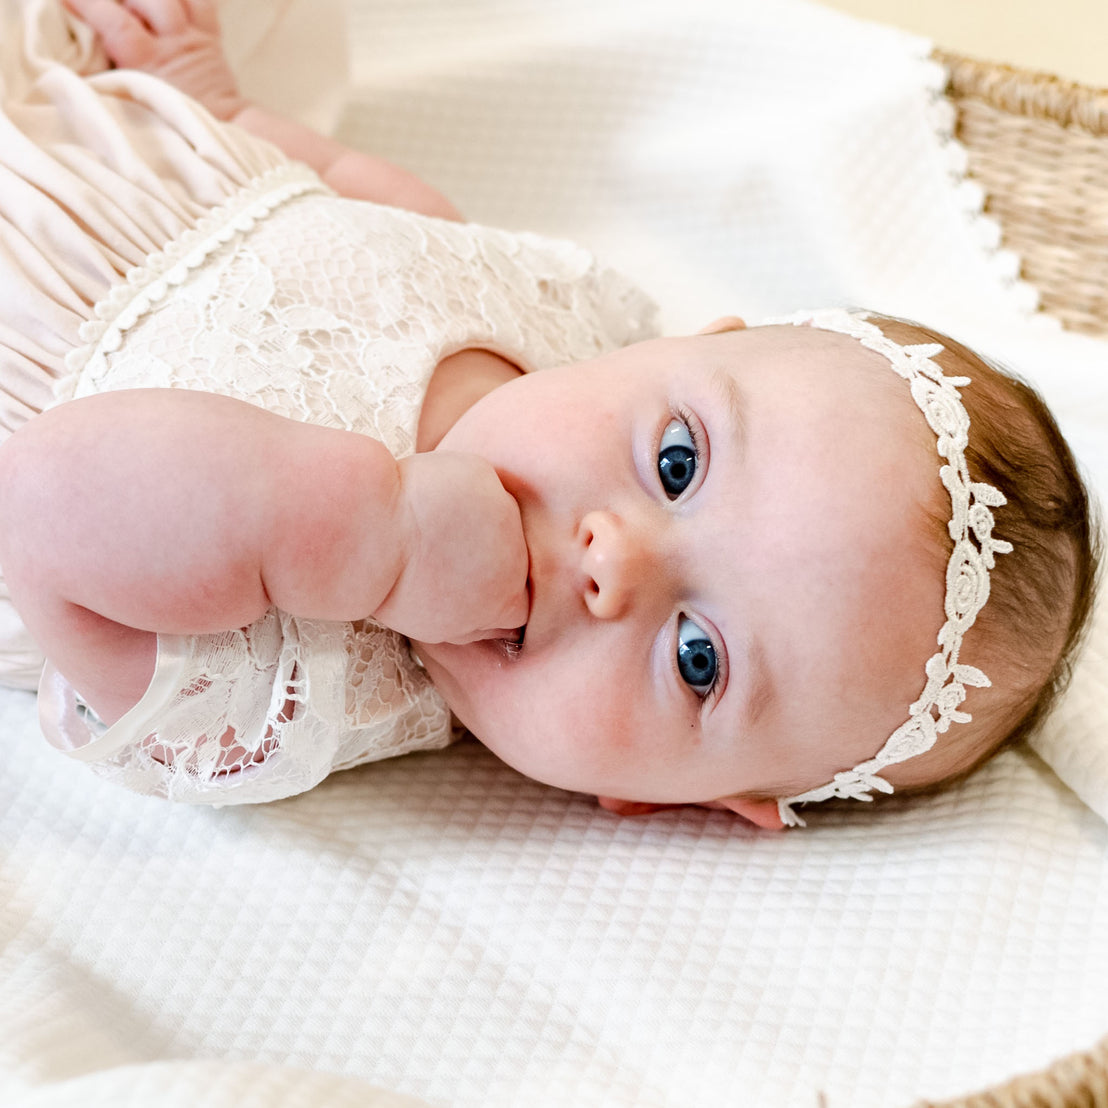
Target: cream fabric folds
[(90, 185), (88, 188)]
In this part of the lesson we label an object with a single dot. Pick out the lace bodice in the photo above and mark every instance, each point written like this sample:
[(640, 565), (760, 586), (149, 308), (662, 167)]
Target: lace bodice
[(336, 312)]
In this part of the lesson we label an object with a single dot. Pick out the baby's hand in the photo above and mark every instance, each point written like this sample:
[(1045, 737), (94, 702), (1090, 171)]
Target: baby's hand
[(177, 40), (465, 576)]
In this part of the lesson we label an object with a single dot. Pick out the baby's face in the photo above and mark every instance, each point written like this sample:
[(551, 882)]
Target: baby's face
[(729, 594)]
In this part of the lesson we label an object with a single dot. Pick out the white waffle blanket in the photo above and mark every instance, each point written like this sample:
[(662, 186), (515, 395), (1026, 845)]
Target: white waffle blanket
[(438, 928)]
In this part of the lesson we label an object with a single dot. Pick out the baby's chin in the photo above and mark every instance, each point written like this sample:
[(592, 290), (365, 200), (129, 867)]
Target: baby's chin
[(454, 670), (466, 678)]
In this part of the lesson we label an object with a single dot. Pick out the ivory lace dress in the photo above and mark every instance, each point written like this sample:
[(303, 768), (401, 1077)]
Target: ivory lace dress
[(145, 244)]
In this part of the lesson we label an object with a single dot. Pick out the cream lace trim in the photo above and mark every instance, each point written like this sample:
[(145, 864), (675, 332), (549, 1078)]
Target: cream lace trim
[(983, 229), (967, 573), (146, 285)]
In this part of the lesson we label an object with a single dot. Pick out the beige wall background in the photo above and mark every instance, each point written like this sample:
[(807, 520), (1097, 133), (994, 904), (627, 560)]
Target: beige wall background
[(1066, 37)]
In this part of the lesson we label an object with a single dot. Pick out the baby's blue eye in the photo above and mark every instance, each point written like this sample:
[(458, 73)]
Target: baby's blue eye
[(676, 458), (696, 657)]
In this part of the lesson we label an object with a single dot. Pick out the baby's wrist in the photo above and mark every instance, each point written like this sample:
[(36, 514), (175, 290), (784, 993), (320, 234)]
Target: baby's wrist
[(459, 541), (407, 540)]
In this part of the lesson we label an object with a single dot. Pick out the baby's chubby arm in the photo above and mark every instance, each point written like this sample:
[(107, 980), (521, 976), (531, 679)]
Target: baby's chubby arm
[(179, 41), (165, 510)]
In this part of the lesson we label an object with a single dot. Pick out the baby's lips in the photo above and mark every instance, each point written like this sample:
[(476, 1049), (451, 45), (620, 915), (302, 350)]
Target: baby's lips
[(483, 636)]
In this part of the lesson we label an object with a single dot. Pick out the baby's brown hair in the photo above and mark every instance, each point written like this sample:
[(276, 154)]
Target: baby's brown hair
[(1041, 593)]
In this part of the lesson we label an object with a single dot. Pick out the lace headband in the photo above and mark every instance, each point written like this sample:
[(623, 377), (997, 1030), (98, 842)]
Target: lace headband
[(967, 572)]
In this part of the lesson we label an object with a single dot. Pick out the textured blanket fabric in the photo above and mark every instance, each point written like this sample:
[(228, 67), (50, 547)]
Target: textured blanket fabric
[(435, 927)]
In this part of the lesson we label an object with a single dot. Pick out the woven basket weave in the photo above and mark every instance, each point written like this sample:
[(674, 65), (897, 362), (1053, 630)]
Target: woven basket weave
[(1038, 145), (1077, 1081)]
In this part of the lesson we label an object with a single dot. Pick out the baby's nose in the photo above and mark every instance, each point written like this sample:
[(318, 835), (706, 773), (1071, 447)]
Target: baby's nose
[(617, 561)]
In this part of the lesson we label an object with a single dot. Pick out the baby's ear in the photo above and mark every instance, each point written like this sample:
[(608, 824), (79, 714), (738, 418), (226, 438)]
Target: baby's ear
[(723, 324), (632, 807), (762, 813)]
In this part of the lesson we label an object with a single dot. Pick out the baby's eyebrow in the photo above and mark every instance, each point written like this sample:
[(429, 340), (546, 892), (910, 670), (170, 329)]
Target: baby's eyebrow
[(731, 397)]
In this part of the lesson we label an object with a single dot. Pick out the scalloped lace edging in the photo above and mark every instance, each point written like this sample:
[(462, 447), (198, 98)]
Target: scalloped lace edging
[(146, 285), (985, 231)]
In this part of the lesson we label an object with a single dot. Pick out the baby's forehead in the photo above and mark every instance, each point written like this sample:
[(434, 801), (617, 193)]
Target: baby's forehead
[(832, 347), (822, 398), (821, 359)]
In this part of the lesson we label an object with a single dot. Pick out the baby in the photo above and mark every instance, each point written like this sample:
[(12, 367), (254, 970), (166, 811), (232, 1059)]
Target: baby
[(406, 468)]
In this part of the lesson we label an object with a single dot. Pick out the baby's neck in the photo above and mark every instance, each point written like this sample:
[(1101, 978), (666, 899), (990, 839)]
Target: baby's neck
[(456, 385)]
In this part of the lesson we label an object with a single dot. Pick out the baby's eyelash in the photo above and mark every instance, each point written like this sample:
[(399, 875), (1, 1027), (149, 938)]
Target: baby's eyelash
[(712, 695), (696, 432)]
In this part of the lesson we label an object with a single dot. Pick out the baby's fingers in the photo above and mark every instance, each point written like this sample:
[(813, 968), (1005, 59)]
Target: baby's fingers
[(202, 14), (123, 35), (163, 17)]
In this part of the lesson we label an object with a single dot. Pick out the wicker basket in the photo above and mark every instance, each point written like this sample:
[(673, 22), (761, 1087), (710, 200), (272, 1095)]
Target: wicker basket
[(1038, 146), (1077, 1081)]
